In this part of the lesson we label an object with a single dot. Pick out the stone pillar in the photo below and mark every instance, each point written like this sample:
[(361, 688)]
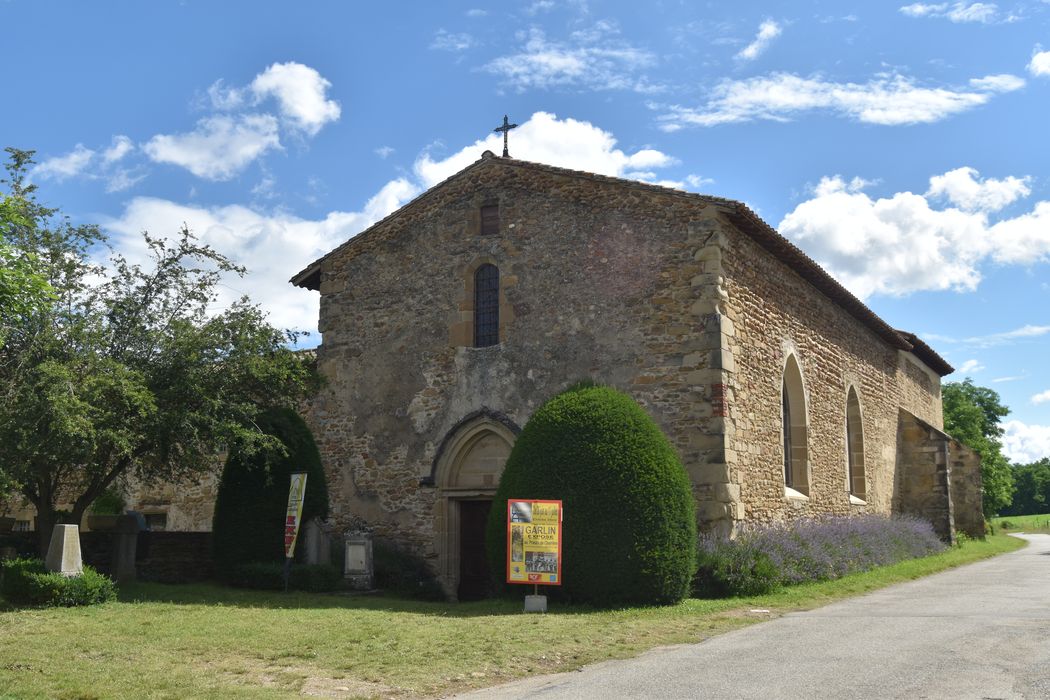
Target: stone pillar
[(719, 507), (63, 554)]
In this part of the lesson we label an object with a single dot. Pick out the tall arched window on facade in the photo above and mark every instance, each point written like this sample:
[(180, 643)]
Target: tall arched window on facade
[(855, 446), (794, 431), (486, 306)]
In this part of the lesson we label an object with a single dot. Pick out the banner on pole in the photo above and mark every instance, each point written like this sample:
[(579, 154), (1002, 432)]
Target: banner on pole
[(534, 541), (296, 491)]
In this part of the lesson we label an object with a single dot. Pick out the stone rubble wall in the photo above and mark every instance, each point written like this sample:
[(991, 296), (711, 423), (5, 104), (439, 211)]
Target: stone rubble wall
[(602, 282), (773, 313), (923, 479), (967, 489)]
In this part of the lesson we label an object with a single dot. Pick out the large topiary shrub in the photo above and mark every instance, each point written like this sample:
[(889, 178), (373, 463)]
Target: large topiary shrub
[(253, 495), (629, 530)]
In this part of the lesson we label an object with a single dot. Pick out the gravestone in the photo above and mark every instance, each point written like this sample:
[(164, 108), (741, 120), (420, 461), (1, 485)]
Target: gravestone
[(358, 569), (317, 543), (63, 554)]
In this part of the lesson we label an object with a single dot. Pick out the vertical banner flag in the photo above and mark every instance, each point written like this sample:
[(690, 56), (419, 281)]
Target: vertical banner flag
[(534, 542), (295, 513)]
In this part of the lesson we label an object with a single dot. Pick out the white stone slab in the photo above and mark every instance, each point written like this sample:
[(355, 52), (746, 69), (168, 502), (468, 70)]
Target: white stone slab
[(63, 554)]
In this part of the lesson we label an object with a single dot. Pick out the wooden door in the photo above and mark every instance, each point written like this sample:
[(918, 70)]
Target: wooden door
[(474, 576)]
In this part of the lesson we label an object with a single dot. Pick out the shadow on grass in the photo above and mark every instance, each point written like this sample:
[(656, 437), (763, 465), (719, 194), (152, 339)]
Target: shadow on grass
[(214, 594)]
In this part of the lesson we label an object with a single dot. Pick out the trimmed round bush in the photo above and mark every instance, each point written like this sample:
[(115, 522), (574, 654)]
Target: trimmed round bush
[(250, 508), (27, 582), (629, 523)]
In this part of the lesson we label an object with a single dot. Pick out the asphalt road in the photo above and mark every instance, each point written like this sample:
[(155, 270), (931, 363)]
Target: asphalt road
[(980, 631)]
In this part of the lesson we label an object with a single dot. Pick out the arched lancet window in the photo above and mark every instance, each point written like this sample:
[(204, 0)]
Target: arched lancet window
[(854, 446), (794, 430), (486, 306)]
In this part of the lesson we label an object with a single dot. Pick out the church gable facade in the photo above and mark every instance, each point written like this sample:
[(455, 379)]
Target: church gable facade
[(448, 323)]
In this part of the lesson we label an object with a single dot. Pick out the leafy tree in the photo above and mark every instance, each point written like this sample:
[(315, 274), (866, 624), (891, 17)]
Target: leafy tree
[(971, 415), (127, 368), (1032, 489)]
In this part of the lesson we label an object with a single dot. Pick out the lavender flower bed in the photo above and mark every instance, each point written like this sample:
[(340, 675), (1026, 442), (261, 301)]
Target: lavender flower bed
[(763, 558)]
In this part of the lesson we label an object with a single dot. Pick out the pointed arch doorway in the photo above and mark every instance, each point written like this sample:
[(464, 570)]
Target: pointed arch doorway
[(467, 472)]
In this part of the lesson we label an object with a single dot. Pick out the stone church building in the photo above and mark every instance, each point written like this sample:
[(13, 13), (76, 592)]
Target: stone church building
[(446, 324)]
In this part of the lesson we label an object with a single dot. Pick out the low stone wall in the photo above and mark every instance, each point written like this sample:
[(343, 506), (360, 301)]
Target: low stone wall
[(164, 557), (174, 557)]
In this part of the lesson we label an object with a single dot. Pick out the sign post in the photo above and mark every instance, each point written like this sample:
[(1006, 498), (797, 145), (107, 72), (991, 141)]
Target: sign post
[(293, 517), (534, 546)]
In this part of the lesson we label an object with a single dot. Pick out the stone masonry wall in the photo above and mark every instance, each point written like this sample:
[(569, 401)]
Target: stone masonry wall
[(923, 479), (966, 489), (604, 282), (774, 313)]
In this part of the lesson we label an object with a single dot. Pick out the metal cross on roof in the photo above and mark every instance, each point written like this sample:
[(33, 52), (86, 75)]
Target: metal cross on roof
[(507, 126)]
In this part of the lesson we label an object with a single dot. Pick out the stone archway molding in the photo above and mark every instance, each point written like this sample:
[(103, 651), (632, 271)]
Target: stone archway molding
[(456, 433)]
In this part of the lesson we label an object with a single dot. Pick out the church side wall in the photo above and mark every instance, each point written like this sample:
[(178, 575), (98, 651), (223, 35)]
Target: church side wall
[(775, 314), (597, 282)]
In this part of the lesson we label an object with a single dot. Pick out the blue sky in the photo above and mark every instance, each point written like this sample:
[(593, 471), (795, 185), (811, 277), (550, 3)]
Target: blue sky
[(903, 146)]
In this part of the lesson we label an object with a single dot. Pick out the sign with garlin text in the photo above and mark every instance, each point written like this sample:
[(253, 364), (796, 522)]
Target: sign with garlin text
[(296, 491), (534, 541)]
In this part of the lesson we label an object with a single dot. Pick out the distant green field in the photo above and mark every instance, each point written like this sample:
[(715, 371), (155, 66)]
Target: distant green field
[(1022, 523)]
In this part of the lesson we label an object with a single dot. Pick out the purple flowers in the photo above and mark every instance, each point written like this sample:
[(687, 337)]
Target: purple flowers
[(764, 557)]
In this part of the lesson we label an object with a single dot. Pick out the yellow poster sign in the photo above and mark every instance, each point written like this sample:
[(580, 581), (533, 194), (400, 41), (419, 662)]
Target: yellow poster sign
[(296, 491), (534, 541)]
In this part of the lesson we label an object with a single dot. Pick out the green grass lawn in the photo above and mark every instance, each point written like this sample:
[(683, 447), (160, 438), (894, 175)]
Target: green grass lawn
[(1022, 523), (209, 642)]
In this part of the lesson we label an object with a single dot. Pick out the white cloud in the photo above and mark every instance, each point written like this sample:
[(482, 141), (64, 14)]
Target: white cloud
[(272, 246), (475, 13), (544, 138), (225, 98), (890, 100), (901, 244), (1041, 397), (696, 181), (956, 12), (1007, 337), (118, 149), (1000, 380), (66, 166), (543, 64), (384, 152), (223, 144), (962, 188), (123, 179), (300, 92), (1040, 63), (969, 366), (220, 146), (767, 32), (1003, 82), (447, 41), (1024, 443)]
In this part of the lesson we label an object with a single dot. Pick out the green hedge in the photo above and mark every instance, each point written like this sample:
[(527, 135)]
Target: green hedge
[(269, 576), (629, 530), (253, 495), (404, 574), (27, 582)]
